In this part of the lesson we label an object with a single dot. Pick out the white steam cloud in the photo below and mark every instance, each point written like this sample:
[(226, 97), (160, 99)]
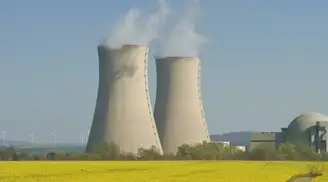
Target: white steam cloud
[(135, 28), (182, 39)]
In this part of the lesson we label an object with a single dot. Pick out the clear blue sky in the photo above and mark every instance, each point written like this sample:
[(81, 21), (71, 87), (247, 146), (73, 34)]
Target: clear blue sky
[(266, 63)]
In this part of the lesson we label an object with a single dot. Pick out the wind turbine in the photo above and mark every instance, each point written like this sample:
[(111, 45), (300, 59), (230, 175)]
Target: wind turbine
[(53, 133), (32, 138), (81, 138), (3, 136)]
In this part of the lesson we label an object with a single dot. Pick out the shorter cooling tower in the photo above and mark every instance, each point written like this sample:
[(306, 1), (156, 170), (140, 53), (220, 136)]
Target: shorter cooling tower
[(178, 110), (123, 112)]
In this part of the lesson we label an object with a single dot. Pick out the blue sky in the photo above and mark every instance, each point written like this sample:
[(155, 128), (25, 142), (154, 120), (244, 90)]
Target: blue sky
[(266, 62)]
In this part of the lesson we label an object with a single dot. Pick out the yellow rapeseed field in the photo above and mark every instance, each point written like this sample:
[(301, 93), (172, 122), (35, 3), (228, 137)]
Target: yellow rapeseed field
[(154, 171)]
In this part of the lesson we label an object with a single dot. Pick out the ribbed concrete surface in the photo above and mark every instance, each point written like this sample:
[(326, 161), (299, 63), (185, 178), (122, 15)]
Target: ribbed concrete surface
[(123, 113), (178, 109)]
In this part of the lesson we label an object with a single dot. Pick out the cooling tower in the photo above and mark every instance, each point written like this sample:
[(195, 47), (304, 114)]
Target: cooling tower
[(123, 112), (178, 110)]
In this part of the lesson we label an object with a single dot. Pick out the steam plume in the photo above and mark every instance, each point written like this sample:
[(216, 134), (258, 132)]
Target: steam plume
[(135, 28), (183, 40)]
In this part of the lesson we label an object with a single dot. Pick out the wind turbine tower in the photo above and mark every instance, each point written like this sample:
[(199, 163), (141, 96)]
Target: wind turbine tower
[(54, 135), (81, 138), (3, 136), (32, 138)]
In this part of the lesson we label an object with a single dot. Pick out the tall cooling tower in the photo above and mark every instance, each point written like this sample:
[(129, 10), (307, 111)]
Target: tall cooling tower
[(123, 112), (178, 113)]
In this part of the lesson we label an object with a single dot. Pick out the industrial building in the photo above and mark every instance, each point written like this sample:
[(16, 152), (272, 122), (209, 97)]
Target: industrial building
[(123, 113), (178, 112), (224, 143), (307, 129)]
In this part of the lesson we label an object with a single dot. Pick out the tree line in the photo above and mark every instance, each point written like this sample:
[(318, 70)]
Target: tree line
[(202, 151)]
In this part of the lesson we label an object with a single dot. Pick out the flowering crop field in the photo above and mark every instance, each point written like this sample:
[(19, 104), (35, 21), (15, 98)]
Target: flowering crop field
[(154, 171)]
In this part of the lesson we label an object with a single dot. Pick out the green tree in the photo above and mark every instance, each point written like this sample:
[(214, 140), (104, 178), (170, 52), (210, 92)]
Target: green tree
[(149, 154), (307, 153), (8, 154), (51, 156), (107, 151), (288, 150)]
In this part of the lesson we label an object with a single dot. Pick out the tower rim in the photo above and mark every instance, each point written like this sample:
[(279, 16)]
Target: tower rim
[(122, 46)]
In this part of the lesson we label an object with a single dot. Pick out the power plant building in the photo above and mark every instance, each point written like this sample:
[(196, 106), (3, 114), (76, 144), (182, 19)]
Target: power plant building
[(178, 112), (123, 113), (308, 129)]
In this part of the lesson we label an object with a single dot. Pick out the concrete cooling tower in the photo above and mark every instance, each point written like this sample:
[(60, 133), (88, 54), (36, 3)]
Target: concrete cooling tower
[(178, 110), (123, 112)]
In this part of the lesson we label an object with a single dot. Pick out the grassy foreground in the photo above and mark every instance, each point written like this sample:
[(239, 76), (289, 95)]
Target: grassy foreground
[(157, 171)]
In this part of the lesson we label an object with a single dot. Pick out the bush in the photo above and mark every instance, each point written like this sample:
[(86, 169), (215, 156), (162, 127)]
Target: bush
[(316, 170)]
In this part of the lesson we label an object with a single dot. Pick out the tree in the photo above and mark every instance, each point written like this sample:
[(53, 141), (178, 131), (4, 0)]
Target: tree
[(262, 153), (51, 156), (307, 153), (128, 156), (149, 154), (23, 156), (8, 154), (107, 151), (288, 150), (207, 151)]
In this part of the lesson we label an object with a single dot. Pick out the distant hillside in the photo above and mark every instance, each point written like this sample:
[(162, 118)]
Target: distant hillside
[(38, 151), (235, 138), (15, 144), (23, 144)]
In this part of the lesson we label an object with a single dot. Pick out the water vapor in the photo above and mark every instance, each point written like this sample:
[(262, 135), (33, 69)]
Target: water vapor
[(137, 28), (182, 39)]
